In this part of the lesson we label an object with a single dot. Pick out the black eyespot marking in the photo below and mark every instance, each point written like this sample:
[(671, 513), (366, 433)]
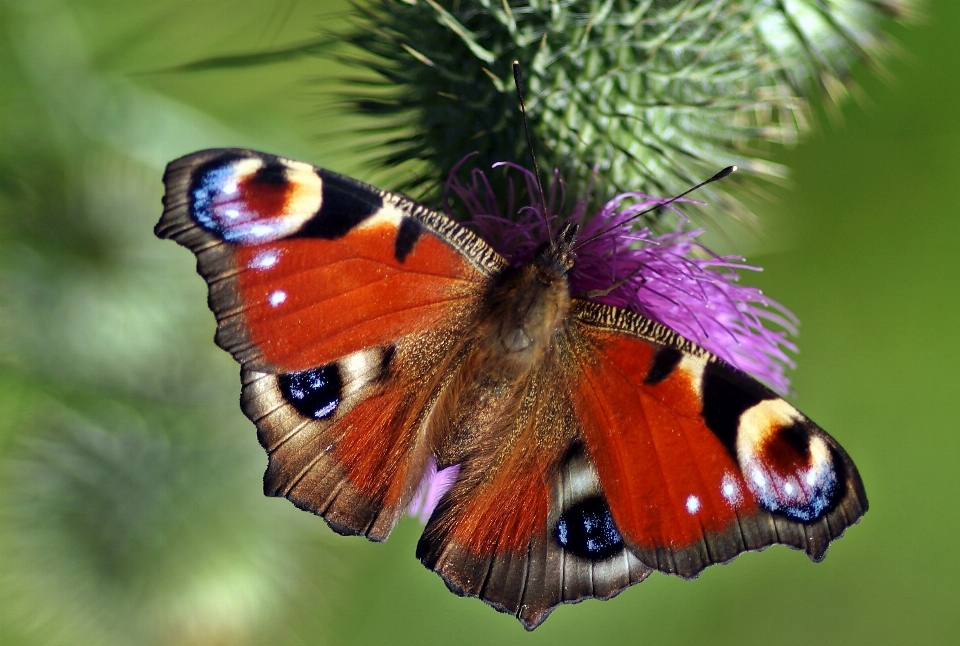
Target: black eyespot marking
[(664, 362), (726, 395), (386, 359), (344, 205), (788, 476), (314, 393), (797, 438), (407, 237), (272, 173), (587, 530)]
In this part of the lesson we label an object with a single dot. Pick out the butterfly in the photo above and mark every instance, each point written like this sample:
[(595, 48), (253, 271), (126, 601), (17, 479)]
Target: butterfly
[(377, 337)]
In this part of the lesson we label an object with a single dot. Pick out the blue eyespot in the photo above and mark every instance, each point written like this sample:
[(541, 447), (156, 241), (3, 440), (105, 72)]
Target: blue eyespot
[(314, 393), (587, 530)]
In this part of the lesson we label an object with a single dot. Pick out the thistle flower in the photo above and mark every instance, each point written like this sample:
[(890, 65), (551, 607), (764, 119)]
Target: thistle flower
[(653, 94), (669, 278), (433, 485)]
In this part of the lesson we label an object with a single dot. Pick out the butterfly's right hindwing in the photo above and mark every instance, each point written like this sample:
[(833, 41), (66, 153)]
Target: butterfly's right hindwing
[(511, 529)]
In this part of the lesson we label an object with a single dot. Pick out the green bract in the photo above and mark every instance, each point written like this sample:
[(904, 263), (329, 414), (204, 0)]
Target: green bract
[(622, 95)]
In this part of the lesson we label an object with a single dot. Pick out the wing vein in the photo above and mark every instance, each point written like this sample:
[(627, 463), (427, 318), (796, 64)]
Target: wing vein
[(317, 303), (361, 258), (327, 339), (289, 436)]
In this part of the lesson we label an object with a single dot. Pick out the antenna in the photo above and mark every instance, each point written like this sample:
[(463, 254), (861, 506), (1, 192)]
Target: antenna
[(536, 171), (726, 171)]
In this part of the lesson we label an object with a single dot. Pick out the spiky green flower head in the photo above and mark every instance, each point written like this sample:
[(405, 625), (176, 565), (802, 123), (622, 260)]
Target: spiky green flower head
[(622, 95)]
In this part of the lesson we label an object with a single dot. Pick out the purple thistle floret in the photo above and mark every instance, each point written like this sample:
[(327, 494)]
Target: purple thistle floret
[(669, 278), (433, 485)]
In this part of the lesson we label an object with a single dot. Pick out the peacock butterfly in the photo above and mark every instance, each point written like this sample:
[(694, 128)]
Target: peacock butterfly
[(377, 337)]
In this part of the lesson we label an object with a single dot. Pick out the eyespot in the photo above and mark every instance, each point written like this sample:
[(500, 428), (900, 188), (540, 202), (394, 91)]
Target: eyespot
[(786, 463), (587, 530), (314, 393), (252, 200)]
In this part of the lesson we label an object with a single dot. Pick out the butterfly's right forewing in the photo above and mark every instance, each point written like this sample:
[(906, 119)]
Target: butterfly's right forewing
[(698, 461)]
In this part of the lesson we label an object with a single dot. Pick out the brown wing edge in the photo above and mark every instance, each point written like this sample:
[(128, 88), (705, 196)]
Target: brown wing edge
[(764, 528), (504, 581), (215, 261)]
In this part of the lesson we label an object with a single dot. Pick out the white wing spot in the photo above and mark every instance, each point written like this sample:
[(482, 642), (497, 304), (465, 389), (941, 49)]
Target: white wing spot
[(264, 260), (262, 231), (277, 297), (693, 504), (730, 489)]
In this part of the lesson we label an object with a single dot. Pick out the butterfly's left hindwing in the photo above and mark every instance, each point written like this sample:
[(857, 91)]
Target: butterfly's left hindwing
[(341, 302)]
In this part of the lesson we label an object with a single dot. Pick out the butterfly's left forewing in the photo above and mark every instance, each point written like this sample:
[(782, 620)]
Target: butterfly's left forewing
[(341, 303), (698, 461)]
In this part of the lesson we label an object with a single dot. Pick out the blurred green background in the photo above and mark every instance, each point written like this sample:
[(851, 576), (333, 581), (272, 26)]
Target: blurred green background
[(130, 504)]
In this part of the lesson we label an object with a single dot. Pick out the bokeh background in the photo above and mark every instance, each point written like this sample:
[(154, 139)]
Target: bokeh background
[(130, 502)]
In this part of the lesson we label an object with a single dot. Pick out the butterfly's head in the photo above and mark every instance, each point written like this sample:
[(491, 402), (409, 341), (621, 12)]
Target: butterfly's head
[(558, 256)]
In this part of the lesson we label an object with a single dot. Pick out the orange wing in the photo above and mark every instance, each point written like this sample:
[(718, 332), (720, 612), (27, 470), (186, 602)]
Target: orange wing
[(698, 461), (340, 301)]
